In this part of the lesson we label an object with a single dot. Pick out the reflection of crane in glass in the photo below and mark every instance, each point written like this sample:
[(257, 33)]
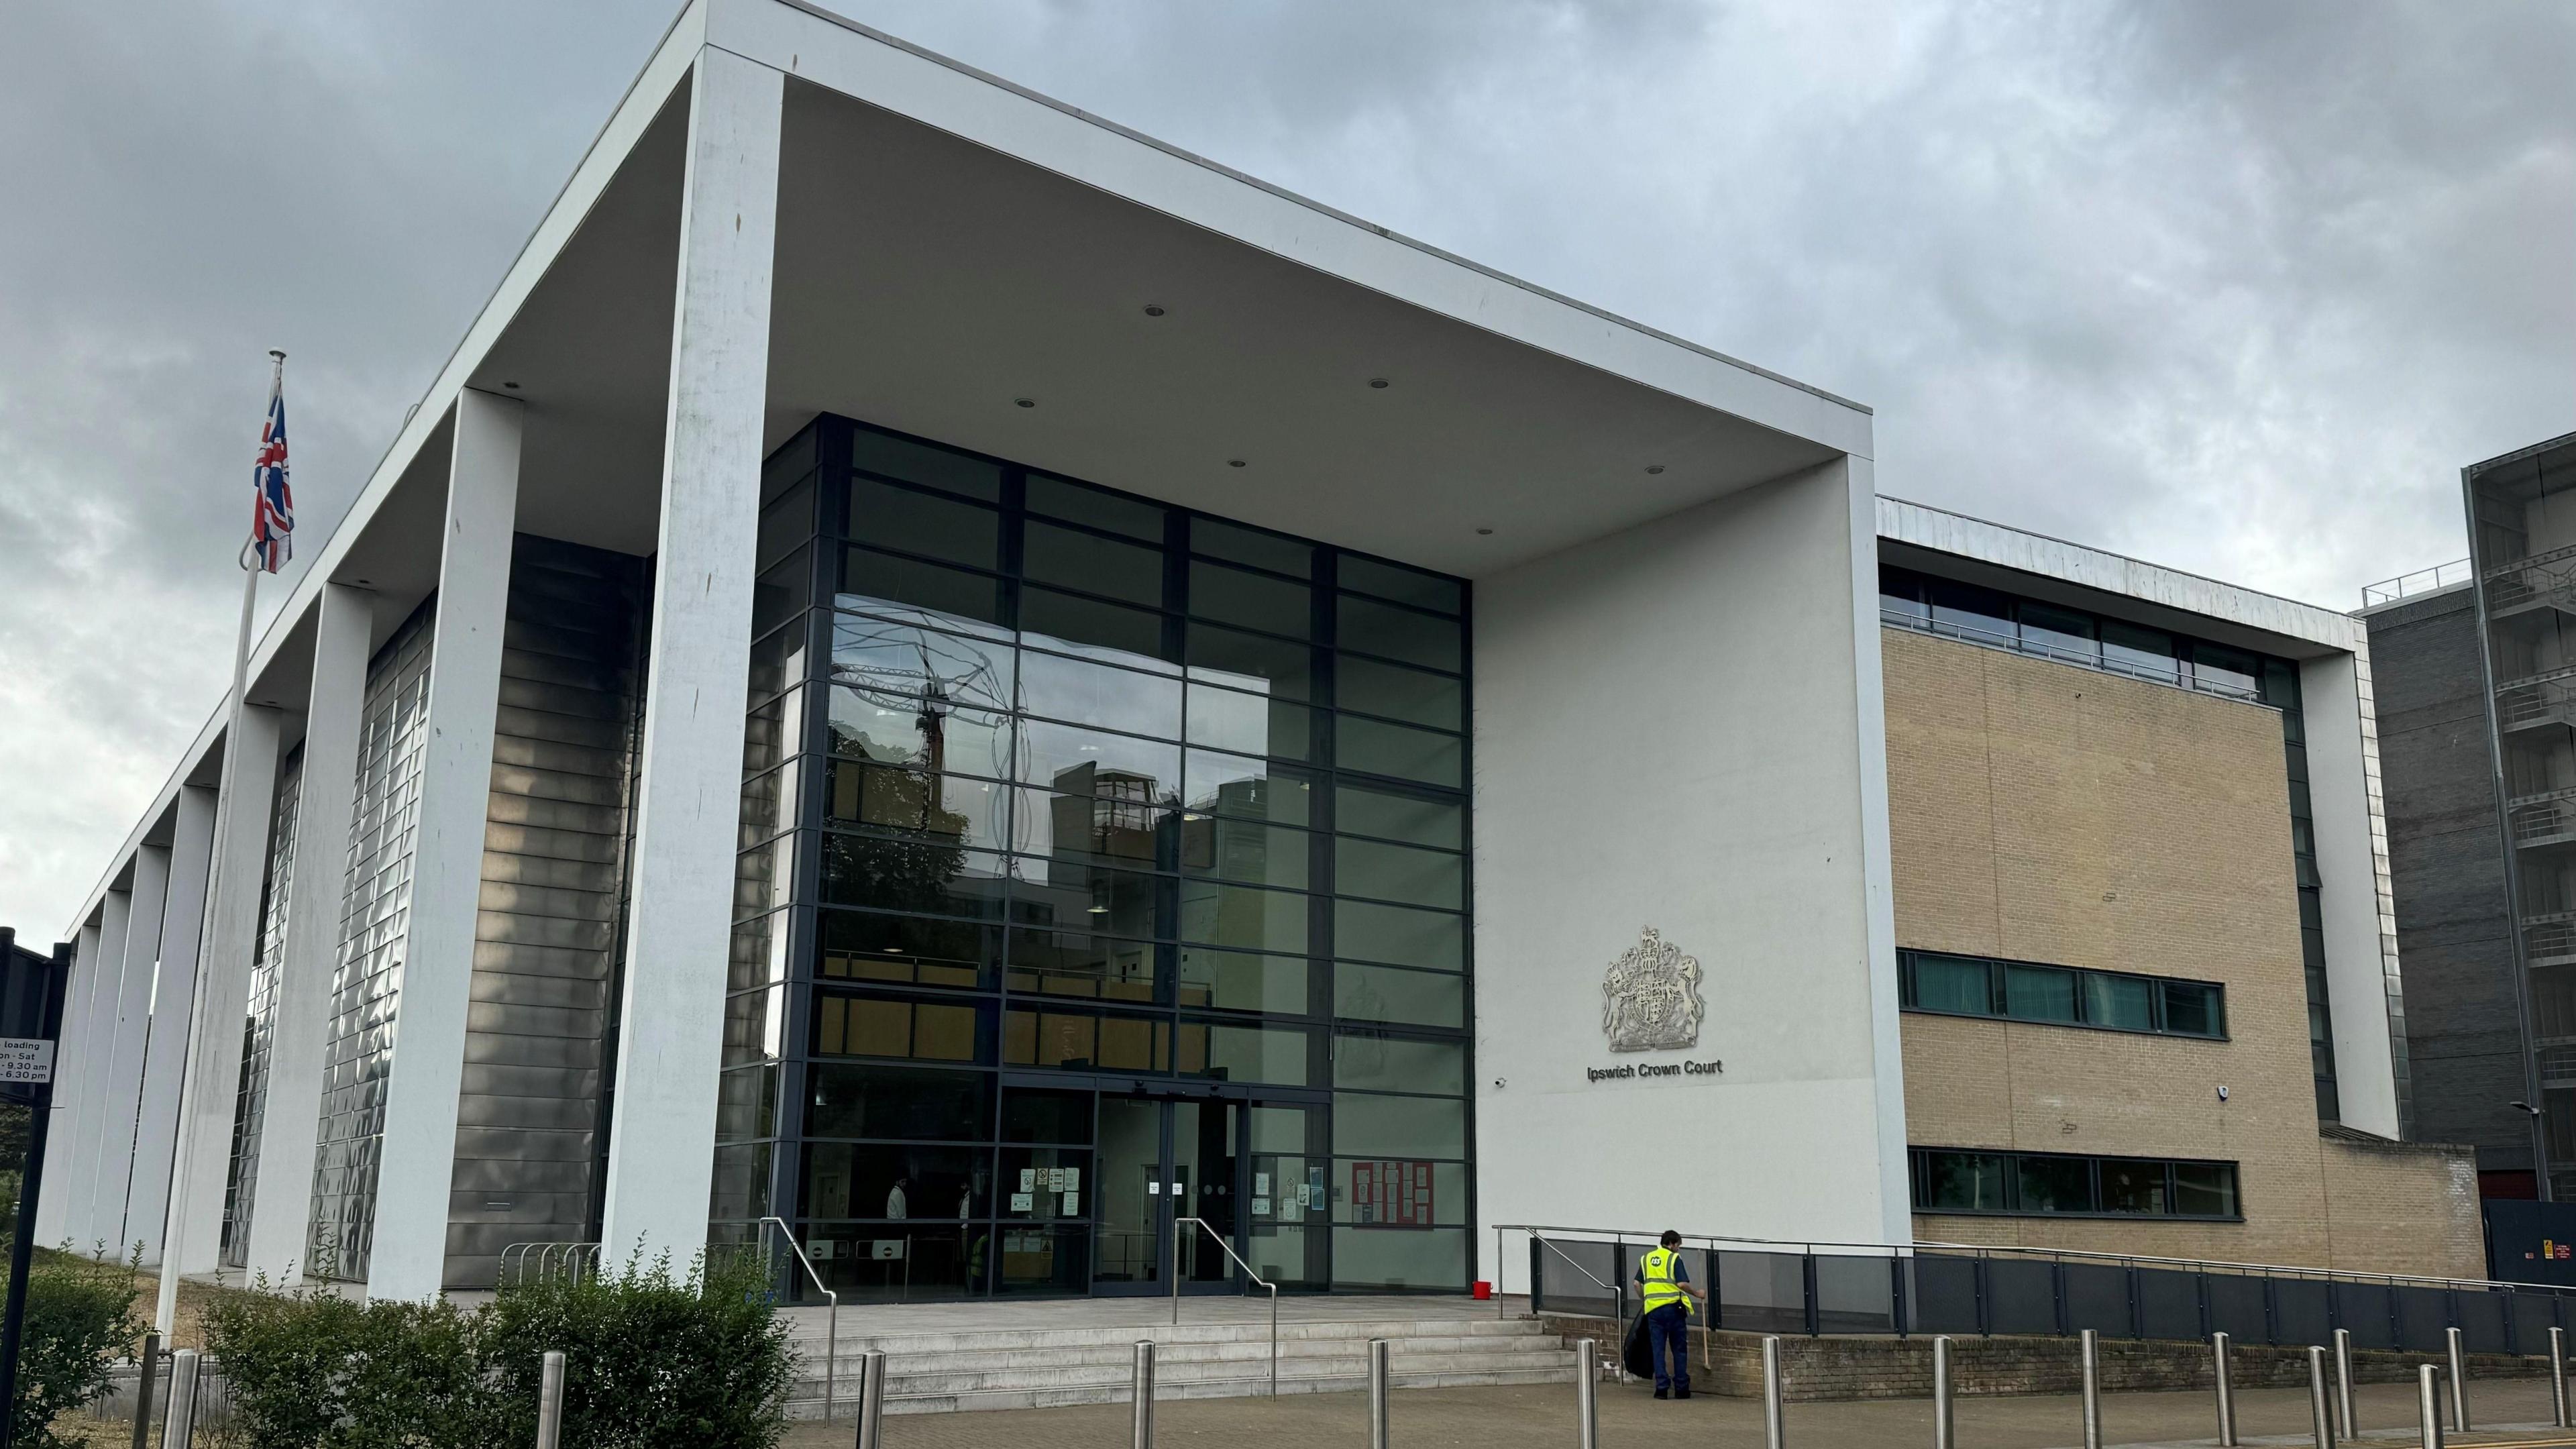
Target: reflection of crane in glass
[(935, 674)]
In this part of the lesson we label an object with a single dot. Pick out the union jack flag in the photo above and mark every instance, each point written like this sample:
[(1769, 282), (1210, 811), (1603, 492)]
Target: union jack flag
[(272, 513)]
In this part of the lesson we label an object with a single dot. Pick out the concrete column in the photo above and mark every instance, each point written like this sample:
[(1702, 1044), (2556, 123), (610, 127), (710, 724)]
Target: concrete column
[(53, 1215), (300, 1023), (165, 1057), (418, 1159), (211, 1085), (689, 784), (92, 1057), (133, 1026)]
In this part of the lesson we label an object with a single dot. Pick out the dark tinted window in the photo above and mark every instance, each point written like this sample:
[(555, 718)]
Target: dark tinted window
[(899, 1102)]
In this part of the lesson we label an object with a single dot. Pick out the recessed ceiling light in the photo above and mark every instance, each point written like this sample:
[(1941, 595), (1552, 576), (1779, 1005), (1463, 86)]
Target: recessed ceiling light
[(512, 386), (1378, 382), (1030, 402), (1484, 533), (894, 950), (1100, 910), (1235, 463), (1654, 468), (1153, 309)]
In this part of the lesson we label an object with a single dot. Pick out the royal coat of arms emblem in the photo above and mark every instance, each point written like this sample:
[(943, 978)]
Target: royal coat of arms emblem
[(1650, 1000)]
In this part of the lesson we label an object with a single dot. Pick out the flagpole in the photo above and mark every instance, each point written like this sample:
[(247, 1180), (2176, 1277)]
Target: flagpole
[(165, 1310)]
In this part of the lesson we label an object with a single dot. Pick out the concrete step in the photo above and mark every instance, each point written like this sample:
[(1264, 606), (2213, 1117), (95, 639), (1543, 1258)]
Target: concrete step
[(1121, 1355), (1045, 1398), (854, 1336), (944, 1380), (1013, 1368)]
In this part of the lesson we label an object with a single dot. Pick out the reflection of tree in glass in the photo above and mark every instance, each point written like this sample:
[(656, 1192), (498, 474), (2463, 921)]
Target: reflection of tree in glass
[(901, 875)]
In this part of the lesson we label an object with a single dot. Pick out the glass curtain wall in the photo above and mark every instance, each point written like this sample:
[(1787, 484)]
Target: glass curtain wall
[(241, 1180), (366, 984), (1081, 833)]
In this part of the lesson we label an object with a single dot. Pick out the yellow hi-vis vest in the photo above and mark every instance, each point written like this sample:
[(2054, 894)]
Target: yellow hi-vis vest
[(1657, 1270)]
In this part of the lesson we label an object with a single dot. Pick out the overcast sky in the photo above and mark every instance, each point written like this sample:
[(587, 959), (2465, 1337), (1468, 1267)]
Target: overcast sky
[(2237, 287)]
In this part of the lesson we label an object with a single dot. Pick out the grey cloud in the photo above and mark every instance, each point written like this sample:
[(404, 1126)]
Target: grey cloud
[(2235, 287)]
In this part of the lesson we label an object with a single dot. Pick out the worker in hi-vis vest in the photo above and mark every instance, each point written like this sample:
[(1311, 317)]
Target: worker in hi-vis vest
[(1665, 1289)]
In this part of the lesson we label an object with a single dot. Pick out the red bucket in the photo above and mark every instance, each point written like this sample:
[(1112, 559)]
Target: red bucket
[(1483, 1290)]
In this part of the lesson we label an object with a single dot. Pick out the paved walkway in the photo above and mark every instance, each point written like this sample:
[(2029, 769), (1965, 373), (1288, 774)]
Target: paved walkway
[(1543, 1418)]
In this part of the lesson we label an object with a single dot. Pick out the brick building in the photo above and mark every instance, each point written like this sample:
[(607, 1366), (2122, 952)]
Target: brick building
[(2148, 1006)]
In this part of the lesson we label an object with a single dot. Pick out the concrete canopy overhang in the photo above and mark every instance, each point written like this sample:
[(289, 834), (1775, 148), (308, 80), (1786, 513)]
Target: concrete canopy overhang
[(949, 244)]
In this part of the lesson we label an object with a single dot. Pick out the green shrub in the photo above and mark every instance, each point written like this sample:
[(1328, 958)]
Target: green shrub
[(80, 1319), (652, 1360), (315, 1371)]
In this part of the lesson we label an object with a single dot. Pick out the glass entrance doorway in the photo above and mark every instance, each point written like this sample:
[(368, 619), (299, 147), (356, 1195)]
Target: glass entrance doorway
[(1162, 1162)]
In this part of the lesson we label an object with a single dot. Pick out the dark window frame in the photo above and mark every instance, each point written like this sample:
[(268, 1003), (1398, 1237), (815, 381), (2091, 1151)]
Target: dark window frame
[(1907, 959), (1918, 1176)]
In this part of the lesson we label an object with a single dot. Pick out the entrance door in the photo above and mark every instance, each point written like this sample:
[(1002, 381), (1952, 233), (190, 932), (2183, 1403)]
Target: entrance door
[(1162, 1162)]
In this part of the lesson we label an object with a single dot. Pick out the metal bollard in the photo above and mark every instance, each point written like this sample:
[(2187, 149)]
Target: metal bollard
[(2222, 1376), (2558, 1377), (2459, 1382), (2345, 1419), (1775, 1427), (1587, 1394), (2090, 1346), (179, 1422), (2428, 1405), (148, 1363), (550, 1387), (1945, 1431), (1143, 1392), (2323, 1426), (872, 1371), (1377, 1393)]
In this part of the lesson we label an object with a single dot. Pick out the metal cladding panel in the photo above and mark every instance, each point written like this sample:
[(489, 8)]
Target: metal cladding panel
[(2168, 1303), (2363, 1310), (560, 729), (496, 1049), (2033, 553), (2423, 1319), (2236, 1308), (547, 944)]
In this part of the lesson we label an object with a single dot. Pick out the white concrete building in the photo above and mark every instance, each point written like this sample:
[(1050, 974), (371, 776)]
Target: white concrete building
[(946, 672)]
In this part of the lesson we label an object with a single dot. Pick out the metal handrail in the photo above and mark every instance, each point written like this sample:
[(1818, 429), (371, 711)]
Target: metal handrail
[(831, 1305), (2177, 678), (1901, 1250), (574, 1256), (1220, 1241), (1618, 1293), (2389, 591)]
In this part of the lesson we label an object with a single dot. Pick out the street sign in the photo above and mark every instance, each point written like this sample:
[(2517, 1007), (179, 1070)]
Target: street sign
[(27, 1060)]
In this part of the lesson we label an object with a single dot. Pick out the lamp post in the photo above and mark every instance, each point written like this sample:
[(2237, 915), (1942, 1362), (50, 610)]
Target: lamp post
[(2539, 1152)]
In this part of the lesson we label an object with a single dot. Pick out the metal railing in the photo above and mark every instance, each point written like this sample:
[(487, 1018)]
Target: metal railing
[(2542, 819), (1200, 1224), (2422, 581), (2177, 673), (2548, 936), (2535, 578), (1773, 1286), (831, 1304), (542, 1262), (2536, 700), (1618, 1293)]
